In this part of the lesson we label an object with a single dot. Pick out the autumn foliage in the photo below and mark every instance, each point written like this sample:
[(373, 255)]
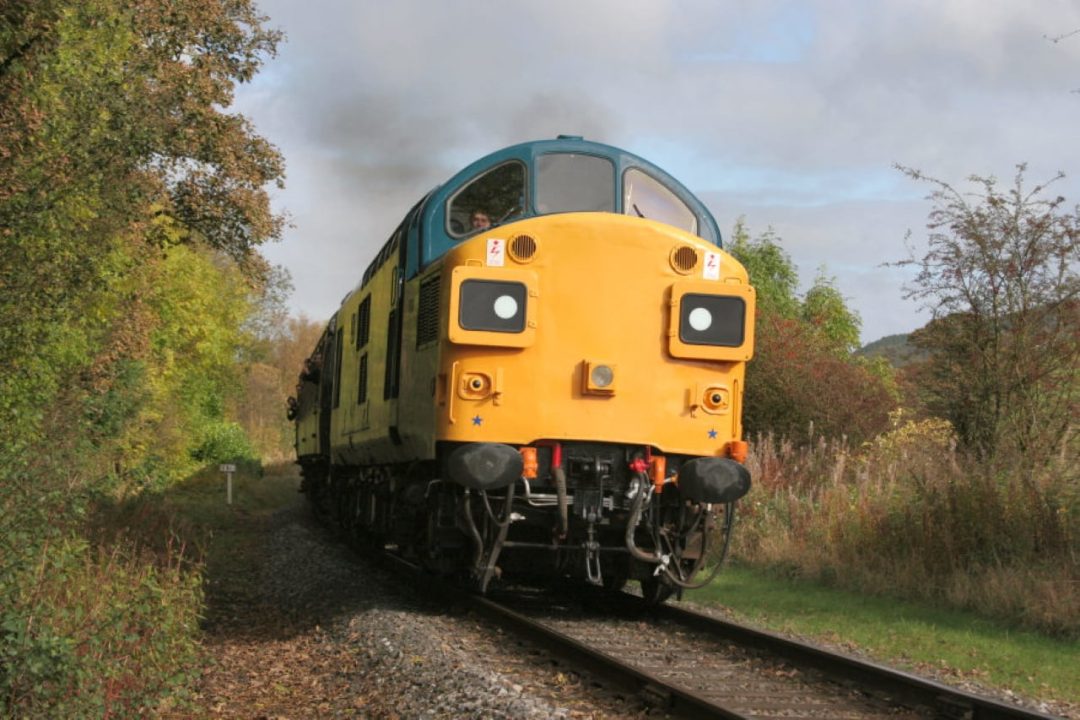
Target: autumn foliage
[(804, 381), (132, 205), (798, 387), (970, 494)]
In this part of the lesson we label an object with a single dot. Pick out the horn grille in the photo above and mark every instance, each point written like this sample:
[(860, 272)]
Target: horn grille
[(684, 259), (523, 248)]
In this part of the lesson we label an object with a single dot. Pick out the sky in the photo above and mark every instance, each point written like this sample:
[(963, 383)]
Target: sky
[(791, 115)]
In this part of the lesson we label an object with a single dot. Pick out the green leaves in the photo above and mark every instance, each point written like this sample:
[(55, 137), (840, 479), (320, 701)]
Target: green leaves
[(804, 379), (771, 271), (132, 205), (823, 307)]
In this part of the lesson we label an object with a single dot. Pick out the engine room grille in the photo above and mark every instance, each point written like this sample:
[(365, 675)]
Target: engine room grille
[(427, 317)]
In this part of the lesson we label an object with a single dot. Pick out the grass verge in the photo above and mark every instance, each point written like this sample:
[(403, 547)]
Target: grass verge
[(955, 645), (201, 500)]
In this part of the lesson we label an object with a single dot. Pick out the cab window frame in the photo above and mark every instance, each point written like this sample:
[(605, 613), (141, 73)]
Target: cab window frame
[(522, 208), (616, 195), (626, 210)]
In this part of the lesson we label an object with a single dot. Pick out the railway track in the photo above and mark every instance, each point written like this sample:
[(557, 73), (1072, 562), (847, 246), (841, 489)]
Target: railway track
[(695, 665)]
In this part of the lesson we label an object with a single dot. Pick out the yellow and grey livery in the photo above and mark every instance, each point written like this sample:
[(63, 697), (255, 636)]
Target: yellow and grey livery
[(555, 391)]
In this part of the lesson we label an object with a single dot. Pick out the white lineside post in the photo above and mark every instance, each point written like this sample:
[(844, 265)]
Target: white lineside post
[(228, 469)]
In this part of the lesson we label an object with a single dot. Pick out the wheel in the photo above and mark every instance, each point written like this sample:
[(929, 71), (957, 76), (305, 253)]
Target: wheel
[(616, 573), (655, 591)]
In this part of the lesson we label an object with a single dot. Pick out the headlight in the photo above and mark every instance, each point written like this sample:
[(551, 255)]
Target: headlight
[(712, 320), (602, 375), (492, 306)]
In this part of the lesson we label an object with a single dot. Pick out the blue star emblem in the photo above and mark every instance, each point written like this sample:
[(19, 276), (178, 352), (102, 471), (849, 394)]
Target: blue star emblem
[(477, 420), (712, 434)]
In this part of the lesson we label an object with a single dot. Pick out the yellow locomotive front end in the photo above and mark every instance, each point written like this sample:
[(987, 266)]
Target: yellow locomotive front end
[(595, 327), (609, 353)]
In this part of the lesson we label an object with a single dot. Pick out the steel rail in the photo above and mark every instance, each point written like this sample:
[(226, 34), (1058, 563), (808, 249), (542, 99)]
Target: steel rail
[(657, 691), (653, 690), (901, 688), (944, 700)]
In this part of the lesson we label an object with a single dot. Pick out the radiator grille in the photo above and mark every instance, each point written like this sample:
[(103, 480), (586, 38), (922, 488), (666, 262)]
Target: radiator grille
[(427, 318), (361, 397)]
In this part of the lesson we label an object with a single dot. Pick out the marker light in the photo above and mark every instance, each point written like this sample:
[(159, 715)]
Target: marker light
[(506, 307), (700, 319)]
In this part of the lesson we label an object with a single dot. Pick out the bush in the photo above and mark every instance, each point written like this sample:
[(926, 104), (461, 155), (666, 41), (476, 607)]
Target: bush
[(907, 515), (797, 386), (224, 442), (98, 631)]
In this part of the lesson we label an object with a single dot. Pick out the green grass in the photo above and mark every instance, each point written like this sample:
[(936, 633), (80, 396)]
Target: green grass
[(202, 498), (907, 635)]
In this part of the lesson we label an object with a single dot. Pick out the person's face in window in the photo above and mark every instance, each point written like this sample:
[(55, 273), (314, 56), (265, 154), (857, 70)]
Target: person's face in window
[(480, 220)]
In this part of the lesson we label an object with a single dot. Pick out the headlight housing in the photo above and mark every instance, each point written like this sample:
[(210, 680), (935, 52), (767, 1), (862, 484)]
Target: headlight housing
[(712, 320), (492, 306)]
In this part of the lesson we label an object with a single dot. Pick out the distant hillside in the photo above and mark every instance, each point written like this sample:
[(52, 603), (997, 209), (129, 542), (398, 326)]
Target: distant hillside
[(894, 348)]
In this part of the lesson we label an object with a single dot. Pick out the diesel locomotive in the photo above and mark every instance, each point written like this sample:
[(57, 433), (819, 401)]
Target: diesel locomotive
[(540, 374)]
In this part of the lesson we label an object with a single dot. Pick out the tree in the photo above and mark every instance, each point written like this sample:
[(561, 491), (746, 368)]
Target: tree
[(803, 379), (114, 137), (270, 380), (1000, 276), (771, 271), (132, 205)]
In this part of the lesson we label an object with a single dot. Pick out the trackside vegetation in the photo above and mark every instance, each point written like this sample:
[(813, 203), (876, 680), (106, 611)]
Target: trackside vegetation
[(133, 302), (909, 515), (956, 480), (143, 341), (805, 380)]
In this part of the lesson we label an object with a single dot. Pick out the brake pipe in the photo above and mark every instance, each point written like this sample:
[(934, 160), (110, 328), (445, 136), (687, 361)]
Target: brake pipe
[(641, 484), (559, 475)]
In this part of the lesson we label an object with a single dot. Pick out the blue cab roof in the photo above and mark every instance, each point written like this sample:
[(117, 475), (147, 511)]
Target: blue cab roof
[(426, 233), (436, 239)]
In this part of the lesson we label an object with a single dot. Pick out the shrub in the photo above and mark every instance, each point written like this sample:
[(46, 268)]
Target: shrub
[(798, 386), (98, 631), (907, 515), (224, 442)]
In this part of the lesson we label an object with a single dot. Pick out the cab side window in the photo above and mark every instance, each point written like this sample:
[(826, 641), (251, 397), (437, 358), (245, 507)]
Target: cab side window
[(493, 198)]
